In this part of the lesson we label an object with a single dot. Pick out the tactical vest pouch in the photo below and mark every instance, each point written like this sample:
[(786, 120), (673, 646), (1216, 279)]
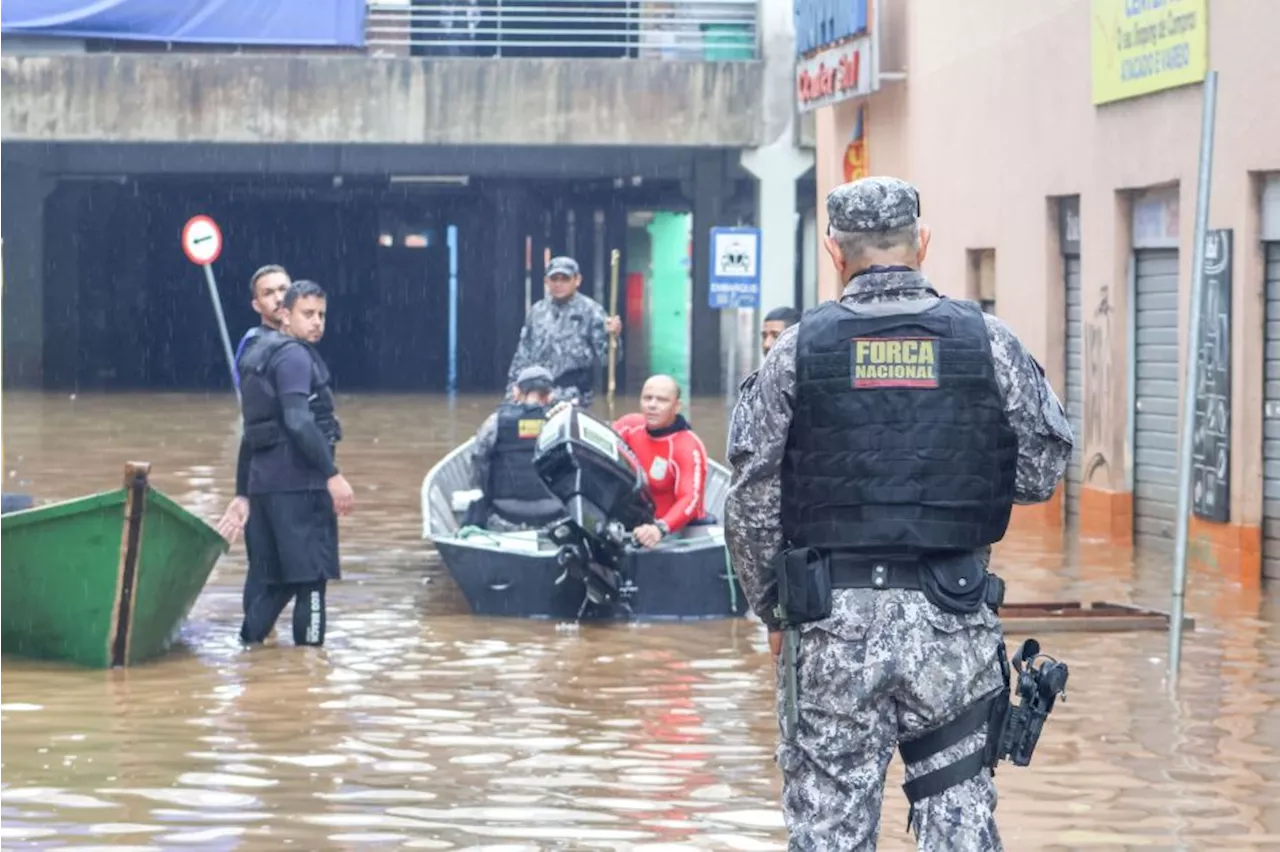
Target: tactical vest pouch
[(263, 435), (955, 583), (804, 584)]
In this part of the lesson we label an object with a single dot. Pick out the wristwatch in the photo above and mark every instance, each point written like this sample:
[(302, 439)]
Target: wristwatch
[(663, 528)]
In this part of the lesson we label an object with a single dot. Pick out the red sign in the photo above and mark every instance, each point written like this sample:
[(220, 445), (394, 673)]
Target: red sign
[(827, 81), (201, 240), (834, 74)]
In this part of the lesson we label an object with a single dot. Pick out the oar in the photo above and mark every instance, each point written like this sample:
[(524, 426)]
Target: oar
[(614, 260)]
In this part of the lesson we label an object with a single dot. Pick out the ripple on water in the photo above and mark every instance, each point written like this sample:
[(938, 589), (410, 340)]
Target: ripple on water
[(618, 738)]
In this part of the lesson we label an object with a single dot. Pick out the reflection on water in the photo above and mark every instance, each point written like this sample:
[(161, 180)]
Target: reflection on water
[(420, 727)]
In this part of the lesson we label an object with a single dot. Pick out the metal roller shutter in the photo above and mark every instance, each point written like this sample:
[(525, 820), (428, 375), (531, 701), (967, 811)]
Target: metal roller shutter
[(1155, 450), (1271, 421), (1073, 393)]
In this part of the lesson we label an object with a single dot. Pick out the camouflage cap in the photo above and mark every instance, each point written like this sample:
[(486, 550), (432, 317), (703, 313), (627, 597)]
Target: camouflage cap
[(534, 378), (562, 266), (873, 204)]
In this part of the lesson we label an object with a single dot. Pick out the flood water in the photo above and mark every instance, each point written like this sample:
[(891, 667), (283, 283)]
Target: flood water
[(418, 726)]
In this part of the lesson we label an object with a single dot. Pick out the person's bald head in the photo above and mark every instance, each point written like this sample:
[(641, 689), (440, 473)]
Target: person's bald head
[(660, 401)]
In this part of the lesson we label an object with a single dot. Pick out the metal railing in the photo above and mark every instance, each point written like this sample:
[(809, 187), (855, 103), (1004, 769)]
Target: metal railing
[(705, 30)]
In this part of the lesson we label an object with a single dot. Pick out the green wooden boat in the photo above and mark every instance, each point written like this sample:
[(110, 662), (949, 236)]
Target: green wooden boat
[(103, 580)]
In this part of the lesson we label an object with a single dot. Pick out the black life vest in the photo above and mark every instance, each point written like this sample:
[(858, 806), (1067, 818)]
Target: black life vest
[(511, 472), (899, 442), (260, 405)]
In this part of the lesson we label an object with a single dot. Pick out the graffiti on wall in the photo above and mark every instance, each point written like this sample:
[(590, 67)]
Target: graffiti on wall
[(1097, 388)]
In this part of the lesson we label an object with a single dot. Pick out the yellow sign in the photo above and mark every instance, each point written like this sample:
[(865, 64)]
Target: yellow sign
[(529, 428), (1144, 46), (910, 362)]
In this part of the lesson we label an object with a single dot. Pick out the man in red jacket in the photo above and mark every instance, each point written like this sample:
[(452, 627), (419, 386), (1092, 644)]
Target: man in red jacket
[(673, 458)]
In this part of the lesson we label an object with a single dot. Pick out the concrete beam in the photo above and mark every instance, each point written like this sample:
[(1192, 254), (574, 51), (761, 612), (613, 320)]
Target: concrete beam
[(358, 100)]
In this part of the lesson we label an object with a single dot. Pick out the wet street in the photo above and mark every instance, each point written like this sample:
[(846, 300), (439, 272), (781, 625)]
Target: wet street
[(421, 727)]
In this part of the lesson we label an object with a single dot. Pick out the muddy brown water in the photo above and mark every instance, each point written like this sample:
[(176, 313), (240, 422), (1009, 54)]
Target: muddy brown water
[(421, 727)]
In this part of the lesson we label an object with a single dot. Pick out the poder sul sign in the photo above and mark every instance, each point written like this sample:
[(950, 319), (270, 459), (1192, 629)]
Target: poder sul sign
[(833, 75)]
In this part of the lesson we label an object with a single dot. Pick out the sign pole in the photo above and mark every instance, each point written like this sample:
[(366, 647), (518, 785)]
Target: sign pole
[(1186, 439), (222, 325)]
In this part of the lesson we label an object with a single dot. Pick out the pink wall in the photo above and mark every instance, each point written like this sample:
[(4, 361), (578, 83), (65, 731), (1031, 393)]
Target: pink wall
[(996, 116)]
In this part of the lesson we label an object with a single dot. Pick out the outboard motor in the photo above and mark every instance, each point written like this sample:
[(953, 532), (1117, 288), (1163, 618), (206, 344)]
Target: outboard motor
[(603, 487)]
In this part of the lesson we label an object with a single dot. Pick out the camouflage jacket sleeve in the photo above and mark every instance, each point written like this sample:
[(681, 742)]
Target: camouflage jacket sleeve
[(757, 439), (1036, 415), (486, 438), (521, 358)]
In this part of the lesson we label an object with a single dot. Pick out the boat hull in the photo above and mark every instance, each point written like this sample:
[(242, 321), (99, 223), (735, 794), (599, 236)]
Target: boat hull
[(104, 580), (681, 584)]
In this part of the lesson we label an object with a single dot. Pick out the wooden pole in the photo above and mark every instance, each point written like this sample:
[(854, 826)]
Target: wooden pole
[(615, 259)]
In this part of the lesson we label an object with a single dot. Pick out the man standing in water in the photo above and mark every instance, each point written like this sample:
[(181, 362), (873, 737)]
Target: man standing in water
[(289, 491), (775, 322), (566, 332), (266, 288)]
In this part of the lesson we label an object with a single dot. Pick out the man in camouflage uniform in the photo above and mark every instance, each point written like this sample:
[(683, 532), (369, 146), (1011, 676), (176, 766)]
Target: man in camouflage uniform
[(566, 332), (873, 461)]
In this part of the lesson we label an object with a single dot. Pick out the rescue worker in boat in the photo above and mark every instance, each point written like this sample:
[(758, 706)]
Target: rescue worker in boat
[(267, 287), (568, 333), (775, 322), (672, 456), (514, 497), (881, 447), (289, 491)]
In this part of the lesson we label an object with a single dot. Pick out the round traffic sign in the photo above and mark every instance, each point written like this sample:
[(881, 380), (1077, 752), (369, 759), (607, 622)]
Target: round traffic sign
[(201, 240)]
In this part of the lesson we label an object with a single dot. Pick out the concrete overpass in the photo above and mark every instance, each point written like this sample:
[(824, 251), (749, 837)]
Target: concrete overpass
[(705, 128)]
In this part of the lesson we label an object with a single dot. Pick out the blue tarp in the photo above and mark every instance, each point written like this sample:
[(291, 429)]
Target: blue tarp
[(282, 22)]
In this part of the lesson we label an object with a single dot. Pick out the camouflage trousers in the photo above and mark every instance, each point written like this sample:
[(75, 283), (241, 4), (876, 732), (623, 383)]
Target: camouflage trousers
[(886, 665)]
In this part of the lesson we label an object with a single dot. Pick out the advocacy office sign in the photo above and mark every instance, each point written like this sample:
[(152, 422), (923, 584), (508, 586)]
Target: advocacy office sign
[(1145, 46)]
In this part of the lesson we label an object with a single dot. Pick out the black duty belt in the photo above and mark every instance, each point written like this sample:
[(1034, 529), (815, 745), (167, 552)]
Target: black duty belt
[(862, 572)]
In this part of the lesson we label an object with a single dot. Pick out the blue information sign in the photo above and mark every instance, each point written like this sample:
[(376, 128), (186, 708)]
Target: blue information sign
[(735, 268)]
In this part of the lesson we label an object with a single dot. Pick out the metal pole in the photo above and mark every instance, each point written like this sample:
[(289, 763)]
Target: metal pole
[(1192, 379), (222, 326), (452, 379)]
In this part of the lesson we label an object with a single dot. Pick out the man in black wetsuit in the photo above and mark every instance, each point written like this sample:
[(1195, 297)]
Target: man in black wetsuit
[(286, 474)]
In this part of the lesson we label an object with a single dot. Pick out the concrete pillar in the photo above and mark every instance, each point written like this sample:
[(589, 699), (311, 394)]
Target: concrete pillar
[(776, 167), (709, 191), (500, 291), (25, 189)]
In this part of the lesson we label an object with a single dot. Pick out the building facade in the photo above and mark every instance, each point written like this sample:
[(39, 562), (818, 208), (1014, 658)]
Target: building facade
[(1056, 148)]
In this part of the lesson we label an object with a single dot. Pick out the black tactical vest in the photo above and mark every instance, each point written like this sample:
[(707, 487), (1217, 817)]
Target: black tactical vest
[(511, 473), (899, 443), (259, 405)]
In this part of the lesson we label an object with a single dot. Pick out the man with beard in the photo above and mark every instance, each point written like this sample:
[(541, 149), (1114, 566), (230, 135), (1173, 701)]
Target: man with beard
[(289, 491), (267, 287)]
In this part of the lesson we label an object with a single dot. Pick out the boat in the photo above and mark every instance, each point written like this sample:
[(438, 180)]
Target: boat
[(552, 573), (104, 580)]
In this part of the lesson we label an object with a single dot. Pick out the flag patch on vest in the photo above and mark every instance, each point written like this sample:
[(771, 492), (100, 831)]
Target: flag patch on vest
[(903, 362), (529, 428)]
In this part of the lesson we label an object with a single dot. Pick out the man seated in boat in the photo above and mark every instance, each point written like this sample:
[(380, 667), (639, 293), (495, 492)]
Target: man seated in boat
[(672, 456), (502, 459)]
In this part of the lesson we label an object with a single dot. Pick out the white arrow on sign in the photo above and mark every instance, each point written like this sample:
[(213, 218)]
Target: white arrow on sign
[(201, 240)]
